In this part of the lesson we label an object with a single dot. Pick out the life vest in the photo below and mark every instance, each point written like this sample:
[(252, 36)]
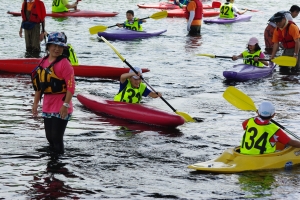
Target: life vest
[(135, 26), (287, 40), (37, 13), (130, 94), (71, 55), (247, 54), (256, 139), (58, 6), (198, 11), (46, 81), (226, 11)]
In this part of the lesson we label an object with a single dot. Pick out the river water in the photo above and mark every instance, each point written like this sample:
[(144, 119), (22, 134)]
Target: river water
[(144, 162)]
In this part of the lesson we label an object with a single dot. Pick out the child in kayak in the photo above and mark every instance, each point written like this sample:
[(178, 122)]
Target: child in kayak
[(261, 135), (63, 5), (132, 22), (254, 53), (132, 89), (229, 11)]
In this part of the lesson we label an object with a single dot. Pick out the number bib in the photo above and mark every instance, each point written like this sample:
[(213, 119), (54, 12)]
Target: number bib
[(256, 139), (130, 94), (226, 11)]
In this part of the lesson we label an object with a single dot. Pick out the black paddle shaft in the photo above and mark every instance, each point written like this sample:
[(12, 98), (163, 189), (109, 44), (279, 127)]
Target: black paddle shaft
[(125, 61), (296, 136), (123, 23)]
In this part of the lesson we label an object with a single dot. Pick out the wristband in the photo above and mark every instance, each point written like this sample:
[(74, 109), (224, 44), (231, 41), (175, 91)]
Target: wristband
[(66, 105)]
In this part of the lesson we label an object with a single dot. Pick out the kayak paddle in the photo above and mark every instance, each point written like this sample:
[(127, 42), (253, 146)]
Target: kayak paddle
[(185, 116), (100, 28), (280, 60), (244, 102), (249, 10)]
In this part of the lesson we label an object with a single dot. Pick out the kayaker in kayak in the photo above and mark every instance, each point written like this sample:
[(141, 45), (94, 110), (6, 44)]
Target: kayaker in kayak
[(228, 10), (68, 51), (33, 16), (194, 16), (54, 77), (253, 51), (288, 34), (261, 135), (132, 22), (63, 5), (181, 3), (132, 89)]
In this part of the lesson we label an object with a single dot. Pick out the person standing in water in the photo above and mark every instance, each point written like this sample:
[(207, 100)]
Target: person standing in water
[(54, 77), (33, 16)]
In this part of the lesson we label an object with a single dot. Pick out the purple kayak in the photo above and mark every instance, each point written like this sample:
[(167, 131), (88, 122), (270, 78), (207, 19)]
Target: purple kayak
[(243, 72), (126, 34), (238, 18)]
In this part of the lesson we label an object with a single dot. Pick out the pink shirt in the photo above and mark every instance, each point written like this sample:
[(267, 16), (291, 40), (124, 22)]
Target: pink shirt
[(64, 70)]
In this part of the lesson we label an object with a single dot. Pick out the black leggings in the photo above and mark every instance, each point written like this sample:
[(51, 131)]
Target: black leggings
[(55, 129)]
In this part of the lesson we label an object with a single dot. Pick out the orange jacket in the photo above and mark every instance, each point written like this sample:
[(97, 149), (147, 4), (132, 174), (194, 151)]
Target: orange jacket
[(198, 11), (287, 40)]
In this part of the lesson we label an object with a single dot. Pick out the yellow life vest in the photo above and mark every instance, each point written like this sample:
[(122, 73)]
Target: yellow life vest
[(256, 139), (135, 26), (46, 81), (247, 54), (226, 11), (72, 56), (58, 6), (130, 94)]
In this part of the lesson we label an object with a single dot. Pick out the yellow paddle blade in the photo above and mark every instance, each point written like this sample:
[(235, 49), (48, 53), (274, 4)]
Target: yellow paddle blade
[(96, 29), (113, 48), (185, 116), (239, 99), (285, 61), (159, 15), (208, 55)]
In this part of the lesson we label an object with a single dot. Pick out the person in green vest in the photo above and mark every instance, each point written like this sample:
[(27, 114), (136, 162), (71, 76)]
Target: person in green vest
[(132, 22), (63, 5), (261, 135), (228, 10), (132, 89), (252, 54)]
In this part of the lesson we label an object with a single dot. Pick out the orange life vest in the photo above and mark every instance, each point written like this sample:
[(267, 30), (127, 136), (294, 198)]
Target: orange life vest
[(198, 11), (37, 13), (287, 40)]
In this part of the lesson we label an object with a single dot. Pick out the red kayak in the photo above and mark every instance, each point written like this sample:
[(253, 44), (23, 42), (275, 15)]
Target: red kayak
[(26, 65), (171, 5), (134, 112), (77, 13), (182, 13)]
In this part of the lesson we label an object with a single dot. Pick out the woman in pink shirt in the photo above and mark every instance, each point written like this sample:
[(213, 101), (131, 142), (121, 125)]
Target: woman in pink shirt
[(56, 81)]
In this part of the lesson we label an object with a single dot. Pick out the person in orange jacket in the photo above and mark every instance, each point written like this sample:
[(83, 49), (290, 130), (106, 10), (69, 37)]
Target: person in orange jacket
[(194, 17), (33, 16)]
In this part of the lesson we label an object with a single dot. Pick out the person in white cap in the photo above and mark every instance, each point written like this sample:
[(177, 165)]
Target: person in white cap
[(132, 89), (261, 135), (253, 51)]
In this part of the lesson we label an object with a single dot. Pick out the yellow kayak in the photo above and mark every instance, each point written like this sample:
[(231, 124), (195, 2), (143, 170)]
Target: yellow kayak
[(232, 162)]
